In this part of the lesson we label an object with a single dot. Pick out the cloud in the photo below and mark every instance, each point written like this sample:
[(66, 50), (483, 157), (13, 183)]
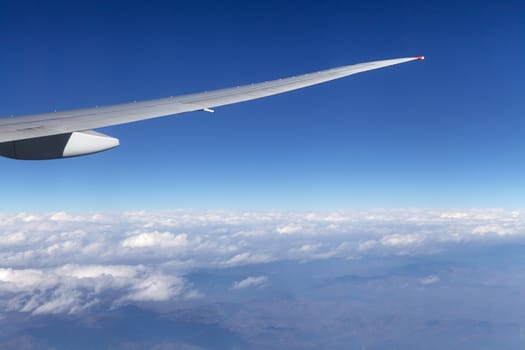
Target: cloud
[(67, 262), (367, 245), (151, 239), (500, 230), (73, 288), (13, 238), (156, 288), (250, 282), (288, 229), (248, 258), (430, 279), (401, 240)]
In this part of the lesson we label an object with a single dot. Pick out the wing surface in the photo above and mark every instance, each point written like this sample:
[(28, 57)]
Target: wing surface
[(48, 124)]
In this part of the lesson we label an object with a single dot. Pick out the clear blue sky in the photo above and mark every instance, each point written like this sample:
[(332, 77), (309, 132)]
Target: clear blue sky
[(446, 132)]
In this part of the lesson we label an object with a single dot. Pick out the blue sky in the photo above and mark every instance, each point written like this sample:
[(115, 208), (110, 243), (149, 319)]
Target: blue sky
[(446, 132)]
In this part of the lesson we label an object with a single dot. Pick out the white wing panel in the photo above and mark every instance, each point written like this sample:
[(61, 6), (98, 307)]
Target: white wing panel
[(37, 125)]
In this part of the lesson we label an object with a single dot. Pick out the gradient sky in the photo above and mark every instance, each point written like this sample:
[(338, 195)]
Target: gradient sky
[(446, 132)]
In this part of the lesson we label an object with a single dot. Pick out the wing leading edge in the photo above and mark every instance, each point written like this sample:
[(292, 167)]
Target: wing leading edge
[(67, 122)]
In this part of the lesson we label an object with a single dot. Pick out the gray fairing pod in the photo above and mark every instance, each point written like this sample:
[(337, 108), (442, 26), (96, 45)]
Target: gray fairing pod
[(58, 146)]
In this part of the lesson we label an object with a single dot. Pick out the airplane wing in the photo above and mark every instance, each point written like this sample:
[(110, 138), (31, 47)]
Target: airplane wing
[(69, 133)]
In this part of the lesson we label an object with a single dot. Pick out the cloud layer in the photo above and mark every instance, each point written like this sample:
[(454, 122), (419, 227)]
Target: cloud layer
[(258, 281), (65, 263)]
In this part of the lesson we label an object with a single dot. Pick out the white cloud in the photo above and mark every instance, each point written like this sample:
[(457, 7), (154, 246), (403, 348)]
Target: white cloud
[(13, 238), (367, 245), (288, 229), (454, 215), (258, 281), (248, 258), (157, 288), (95, 271), (497, 229), (430, 280), (151, 239), (401, 240), (73, 288), (12, 280), (63, 262)]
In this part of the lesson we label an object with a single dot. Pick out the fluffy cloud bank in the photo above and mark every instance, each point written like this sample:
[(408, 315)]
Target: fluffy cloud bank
[(73, 288), (67, 262)]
